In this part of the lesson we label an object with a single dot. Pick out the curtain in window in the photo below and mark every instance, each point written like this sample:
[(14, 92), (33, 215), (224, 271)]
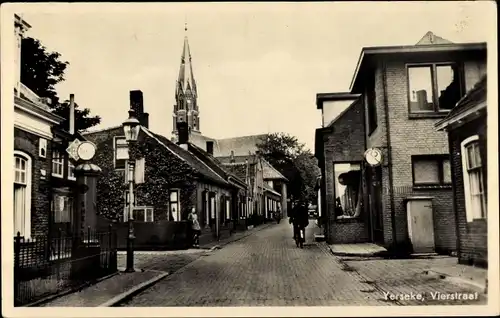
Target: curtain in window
[(63, 208), (474, 180), (19, 209), (478, 204), (348, 201)]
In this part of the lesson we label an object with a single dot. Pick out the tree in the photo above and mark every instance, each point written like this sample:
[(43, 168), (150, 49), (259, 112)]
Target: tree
[(41, 71), (292, 159)]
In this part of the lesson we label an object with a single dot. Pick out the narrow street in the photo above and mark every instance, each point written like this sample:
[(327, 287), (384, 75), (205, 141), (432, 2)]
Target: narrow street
[(267, 269)]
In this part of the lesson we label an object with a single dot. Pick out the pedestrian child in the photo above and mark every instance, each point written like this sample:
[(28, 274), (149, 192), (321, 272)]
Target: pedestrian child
[(195, 227)]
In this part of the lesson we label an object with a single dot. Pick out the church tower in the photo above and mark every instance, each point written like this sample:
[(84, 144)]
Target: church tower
[(186, 96)]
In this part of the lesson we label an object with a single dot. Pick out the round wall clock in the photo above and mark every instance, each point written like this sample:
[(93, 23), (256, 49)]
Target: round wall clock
[(373, 157), (86, 150)]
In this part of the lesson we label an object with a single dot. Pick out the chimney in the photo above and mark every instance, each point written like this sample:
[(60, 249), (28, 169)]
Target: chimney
[(20, 27), (232, 156), (182, 129), (72, 114), (137, 104), (210, 147)]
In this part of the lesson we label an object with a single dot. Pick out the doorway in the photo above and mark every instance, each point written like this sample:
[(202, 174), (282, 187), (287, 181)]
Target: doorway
[(374, 176), (421, 224)]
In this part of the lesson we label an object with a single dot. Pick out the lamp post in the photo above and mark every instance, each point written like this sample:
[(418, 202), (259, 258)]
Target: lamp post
[(131, 130)]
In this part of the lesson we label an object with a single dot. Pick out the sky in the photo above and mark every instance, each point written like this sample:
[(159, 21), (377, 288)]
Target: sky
[(258, 66)]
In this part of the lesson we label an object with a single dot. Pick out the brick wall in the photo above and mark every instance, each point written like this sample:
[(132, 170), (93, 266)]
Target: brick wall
[(346, 143), (415, 137), (28, 143), (472, 236), (348, 231), (411, 137)]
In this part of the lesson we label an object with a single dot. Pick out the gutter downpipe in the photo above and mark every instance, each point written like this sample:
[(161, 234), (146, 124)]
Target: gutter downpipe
[(389, 155)]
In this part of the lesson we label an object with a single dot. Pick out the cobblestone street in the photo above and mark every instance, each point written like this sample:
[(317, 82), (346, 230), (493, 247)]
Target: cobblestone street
[(267, 269)]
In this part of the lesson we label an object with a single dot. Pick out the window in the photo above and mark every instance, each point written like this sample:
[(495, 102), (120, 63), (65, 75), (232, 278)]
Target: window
[(62, 208), (228, 209), (120, 152), (140, 214), (372, 107), (348, 191), (475, 196), (71, 171), (175, 209), (42, 147), (57, 164), (212, 206), (433, 170), (22, 194), (434, 87)]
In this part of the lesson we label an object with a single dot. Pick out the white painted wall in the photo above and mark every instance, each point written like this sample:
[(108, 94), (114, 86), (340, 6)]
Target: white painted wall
[(331, 109)]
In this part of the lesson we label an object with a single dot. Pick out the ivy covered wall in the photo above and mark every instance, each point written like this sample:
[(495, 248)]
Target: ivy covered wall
[(163, 171)]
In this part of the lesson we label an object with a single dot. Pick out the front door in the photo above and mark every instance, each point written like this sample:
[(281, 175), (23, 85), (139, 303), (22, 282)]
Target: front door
[(62, 212), (421, 225)]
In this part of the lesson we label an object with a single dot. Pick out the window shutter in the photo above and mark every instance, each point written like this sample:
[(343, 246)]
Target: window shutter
[(139, 170)]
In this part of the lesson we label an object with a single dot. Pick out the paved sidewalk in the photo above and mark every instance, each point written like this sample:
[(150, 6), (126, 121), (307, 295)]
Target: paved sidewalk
[(360, 249), (111, 289)]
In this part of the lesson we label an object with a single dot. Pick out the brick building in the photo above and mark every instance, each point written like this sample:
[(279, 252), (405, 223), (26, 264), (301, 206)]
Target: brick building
[(174, 178), (467, 135), (340, 145), (44, 184), (404, 91), (262, 179)]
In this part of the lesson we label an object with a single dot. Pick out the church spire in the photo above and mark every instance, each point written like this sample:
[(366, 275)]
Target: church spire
[(186, 94), (186, 80)]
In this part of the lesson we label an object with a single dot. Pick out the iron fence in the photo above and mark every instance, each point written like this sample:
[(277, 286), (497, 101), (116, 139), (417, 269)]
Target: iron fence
[(45, 265)]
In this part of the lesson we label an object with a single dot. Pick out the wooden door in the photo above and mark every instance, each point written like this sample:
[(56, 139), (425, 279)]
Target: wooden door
[(421, 225)]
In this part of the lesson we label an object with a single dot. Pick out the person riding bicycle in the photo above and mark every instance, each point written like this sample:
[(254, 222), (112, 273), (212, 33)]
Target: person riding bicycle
[(300, 220)]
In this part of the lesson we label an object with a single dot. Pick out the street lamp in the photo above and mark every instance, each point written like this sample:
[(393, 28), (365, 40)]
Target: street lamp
[(131, 130)]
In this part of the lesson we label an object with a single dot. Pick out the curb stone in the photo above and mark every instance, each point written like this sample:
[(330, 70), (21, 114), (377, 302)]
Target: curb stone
[(69, 291), (136, 289), (374, 254)]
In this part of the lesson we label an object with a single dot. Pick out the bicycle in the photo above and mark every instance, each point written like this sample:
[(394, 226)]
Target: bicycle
[(300, 237)]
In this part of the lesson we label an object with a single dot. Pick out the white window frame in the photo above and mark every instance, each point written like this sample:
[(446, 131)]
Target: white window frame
[(58, 161), (470, 213), (115, 138), (42, 147), (148, 210), (178, 216), (71, 176), (27, 196)]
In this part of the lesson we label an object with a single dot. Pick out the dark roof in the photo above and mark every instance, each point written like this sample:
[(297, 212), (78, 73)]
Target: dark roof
[(269, 172), (203, 169), (237, 169), (475, 96), (213, 163)]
